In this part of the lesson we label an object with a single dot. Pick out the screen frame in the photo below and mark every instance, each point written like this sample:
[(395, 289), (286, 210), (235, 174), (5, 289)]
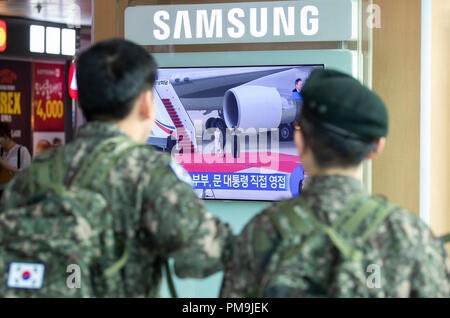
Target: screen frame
[(341, 60)]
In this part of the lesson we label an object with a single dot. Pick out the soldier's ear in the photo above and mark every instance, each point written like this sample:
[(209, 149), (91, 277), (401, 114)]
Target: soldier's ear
[(147, 105), (381, 142), (299, 142)]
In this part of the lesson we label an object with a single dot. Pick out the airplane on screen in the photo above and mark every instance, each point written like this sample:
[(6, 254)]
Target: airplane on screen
[(228, 97)]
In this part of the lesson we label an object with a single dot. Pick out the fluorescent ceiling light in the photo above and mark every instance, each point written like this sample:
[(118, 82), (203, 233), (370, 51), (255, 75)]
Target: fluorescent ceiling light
[(68, 41), (37, 39), (53, 40)]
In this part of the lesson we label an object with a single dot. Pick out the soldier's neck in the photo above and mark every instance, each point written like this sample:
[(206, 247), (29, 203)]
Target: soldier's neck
[(132, 129), (348, 172)]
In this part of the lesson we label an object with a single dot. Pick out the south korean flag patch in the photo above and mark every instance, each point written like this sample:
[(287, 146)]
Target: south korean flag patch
[(180, 172), (26, 275)]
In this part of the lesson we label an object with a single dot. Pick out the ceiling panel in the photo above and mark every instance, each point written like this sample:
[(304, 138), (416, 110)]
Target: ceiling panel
[(72, 12)]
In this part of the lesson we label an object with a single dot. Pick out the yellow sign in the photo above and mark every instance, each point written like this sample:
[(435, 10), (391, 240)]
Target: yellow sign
[(2, 35), (10, 103)]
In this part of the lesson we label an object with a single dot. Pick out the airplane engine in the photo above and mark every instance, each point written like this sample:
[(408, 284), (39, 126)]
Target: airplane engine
[(253, 106)]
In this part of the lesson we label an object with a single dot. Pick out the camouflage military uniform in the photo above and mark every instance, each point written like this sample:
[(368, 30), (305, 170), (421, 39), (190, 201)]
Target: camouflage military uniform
[(412, 261), (151, 207)]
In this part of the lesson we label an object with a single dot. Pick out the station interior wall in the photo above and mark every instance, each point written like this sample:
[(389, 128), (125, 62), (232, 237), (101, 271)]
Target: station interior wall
[(396, 77)]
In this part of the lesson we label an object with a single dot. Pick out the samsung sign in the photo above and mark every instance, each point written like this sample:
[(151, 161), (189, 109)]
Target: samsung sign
[(277, 21)]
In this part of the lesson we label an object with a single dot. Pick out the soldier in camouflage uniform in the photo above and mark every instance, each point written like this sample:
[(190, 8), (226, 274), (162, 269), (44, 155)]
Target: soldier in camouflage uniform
[(152, 212), (342, 123)]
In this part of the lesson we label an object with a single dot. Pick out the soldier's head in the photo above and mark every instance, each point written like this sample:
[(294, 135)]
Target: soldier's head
[(342, 123), (115, 79)]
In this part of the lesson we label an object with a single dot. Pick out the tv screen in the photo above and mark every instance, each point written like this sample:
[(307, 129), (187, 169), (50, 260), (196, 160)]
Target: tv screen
[(232, 128)]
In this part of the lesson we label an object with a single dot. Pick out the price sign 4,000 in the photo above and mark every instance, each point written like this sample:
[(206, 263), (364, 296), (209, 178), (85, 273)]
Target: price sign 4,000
[(52, 109)]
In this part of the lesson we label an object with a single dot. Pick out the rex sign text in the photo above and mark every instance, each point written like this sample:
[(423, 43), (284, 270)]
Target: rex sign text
[(10, 103)]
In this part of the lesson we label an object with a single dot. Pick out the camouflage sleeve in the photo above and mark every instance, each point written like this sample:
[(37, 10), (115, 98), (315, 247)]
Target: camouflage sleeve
[(181, 226), (14, 192), (244, 274), (415, 258), (431, 271)]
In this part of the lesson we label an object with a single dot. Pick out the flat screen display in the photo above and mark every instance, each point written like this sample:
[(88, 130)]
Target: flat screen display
[(232, 128)]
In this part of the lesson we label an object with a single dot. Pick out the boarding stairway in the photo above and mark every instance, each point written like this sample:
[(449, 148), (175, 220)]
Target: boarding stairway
[(185, 130)]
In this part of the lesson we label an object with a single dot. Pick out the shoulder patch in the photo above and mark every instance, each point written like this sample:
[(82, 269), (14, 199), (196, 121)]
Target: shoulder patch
[(180, 172), (26, 275)]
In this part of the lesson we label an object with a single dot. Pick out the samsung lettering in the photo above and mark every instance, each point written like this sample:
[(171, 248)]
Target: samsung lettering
[(213, 23), (244, 22)]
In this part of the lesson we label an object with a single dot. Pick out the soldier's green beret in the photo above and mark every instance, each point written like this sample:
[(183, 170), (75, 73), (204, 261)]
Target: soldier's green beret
[(342, 103)]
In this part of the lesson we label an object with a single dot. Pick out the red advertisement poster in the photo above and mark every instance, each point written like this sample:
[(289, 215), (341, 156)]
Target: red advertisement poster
[(48, 97)]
